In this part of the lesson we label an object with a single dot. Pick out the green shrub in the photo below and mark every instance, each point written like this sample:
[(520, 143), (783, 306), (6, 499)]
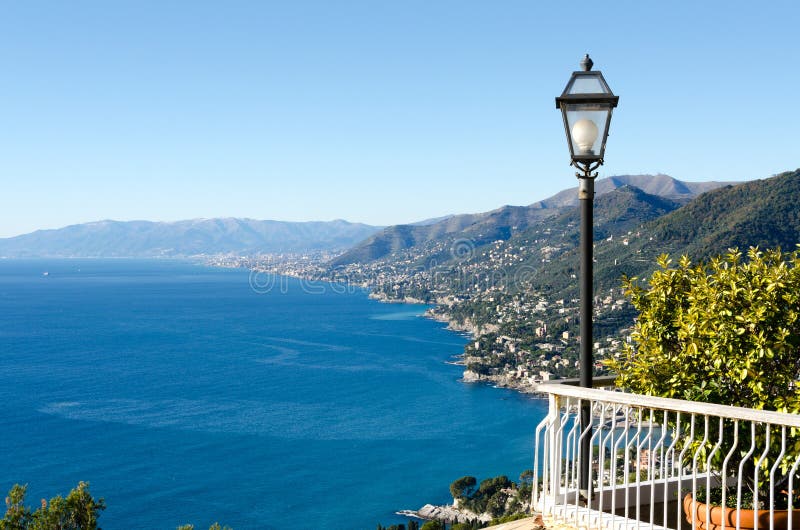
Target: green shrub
[(78, 511), (725, 332)]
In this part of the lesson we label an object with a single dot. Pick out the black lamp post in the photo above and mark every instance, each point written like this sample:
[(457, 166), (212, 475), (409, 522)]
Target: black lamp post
[(586, 105)]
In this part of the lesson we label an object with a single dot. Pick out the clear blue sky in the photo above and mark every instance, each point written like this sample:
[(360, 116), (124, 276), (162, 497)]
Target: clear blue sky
[(377, 111)]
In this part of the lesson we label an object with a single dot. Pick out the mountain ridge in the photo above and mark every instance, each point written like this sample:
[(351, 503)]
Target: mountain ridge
[(504, 222), (658, 184), (359, 242), (754, 213), (110, 238)]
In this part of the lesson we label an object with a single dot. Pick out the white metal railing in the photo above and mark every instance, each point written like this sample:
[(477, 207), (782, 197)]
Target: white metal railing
[(647, 453)]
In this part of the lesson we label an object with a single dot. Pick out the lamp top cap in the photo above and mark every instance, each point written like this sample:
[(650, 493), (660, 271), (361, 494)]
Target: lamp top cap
[(586, 63)]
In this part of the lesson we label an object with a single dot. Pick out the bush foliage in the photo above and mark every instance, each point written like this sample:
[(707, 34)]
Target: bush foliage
[(726, 331), (78, 511)]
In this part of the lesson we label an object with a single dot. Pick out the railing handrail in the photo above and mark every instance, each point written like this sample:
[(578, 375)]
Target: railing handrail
[(567, 388), (597, 381)]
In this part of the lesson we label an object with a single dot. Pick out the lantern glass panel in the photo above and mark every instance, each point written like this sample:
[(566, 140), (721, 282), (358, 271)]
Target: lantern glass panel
[(586, 124), (585, 85)]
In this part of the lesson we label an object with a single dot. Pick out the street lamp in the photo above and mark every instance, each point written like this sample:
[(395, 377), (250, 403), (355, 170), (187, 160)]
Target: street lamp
[(586, 105)]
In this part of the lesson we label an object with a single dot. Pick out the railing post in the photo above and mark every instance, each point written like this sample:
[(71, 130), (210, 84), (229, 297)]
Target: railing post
[(555, 442), (644, 467)]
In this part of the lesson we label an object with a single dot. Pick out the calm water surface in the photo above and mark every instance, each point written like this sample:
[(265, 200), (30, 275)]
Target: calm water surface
[(183, 395)]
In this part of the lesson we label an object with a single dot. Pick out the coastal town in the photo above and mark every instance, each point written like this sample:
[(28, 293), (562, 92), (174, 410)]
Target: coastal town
[(519, 336)]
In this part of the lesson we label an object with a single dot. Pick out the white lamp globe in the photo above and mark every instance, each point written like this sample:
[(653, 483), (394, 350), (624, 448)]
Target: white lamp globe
[(584, 133)]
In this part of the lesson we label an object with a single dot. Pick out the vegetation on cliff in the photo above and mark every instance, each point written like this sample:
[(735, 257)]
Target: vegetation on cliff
[(79, 510), (477, 504)]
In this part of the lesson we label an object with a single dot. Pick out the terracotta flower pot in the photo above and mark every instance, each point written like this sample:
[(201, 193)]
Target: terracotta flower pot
[(695, 510)]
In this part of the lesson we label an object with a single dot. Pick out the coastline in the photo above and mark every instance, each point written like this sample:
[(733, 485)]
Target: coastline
[(507, 379), (446, 513), (503, 380), (438, 311), (452, 513)]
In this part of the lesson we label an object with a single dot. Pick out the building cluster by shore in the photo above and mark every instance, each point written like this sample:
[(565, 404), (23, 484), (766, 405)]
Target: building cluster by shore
[(518, 339)]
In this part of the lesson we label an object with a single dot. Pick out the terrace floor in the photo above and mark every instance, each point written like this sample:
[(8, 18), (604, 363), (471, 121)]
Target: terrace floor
[(534, 523)]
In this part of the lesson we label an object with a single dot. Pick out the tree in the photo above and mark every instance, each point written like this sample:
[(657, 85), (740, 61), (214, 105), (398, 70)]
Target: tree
[(433, 525), (496, 505), (463, 488), (78, 511), (526, 484), (17, 515), (490, 486)]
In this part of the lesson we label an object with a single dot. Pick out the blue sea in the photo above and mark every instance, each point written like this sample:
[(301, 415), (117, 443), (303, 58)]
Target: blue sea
[(190, 394)]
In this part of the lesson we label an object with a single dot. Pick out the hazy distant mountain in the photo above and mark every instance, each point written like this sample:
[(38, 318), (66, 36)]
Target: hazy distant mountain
[(661, 185), (621, 209), (433, 220), (185, 238), (479, 228), (365, 242), (506, 221)]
